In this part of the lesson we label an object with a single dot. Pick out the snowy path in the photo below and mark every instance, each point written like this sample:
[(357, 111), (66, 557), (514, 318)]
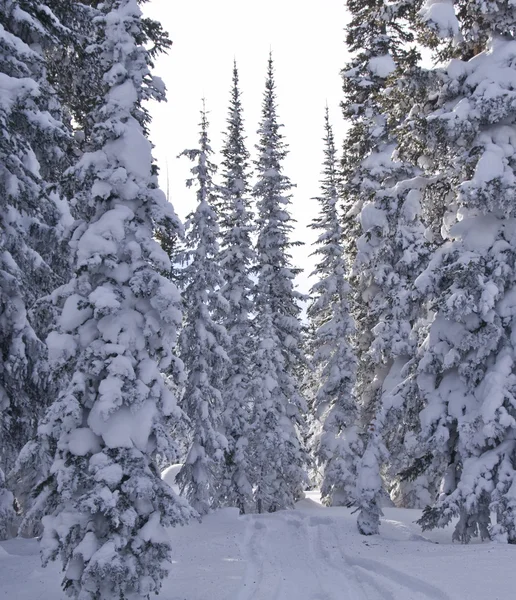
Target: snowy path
[(285, 560), (311, 553), (298, 556)]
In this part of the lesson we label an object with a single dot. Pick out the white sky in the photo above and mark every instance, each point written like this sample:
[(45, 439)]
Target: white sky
[(307, 41)]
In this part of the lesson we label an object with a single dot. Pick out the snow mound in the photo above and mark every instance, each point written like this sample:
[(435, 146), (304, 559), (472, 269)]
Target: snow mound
[(169, 476)]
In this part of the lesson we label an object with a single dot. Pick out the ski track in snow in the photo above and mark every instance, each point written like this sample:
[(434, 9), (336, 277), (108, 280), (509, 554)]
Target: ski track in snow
[(294, 555), (385, 581), (387, 578), (283, 563)]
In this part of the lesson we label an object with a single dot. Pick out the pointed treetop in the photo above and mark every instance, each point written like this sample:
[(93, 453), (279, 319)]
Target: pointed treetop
[(328, 244), (204, 169), (270, 83), (235, 161), (204, 121)]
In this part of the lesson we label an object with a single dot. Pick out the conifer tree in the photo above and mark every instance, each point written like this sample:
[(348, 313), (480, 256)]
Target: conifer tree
[(32, 215), (377, 36), (278, 460), (310, 383), (107, 508), (465, 372), (203, 341), (237, 257), (339, 448), (8, 516), (57, 33)]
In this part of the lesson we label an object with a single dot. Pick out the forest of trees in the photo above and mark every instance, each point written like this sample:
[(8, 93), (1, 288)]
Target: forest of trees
[(131, 341)]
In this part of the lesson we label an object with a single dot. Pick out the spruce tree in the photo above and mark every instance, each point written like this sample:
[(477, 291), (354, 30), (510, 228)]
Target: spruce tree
[(107, 509), (278, 459), (58, 32), (375, 233), (338, 449), (465, 372), (203, 341), (33, 216), (236, 259), (8, 516)]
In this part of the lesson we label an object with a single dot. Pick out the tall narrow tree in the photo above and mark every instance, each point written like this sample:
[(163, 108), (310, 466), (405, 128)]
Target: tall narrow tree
[(277, 456), (466, 368), (237, 257), (339, 447), (107, 508), (203, 341), (8, 516), (33, 143), (377, 37)]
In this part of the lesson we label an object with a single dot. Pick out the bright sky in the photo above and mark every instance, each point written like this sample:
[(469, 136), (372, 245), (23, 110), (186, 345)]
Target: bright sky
[(307, 41)]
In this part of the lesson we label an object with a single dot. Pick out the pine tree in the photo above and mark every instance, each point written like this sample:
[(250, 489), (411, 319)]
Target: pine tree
[(397, 250), (74, 71), (106, 505), (236, 259), (369, 485), (378, 221), (32, 215), (8, 516), (277, 457), (204, 340), (312, 426), (60, 32), (465, 372), (339, 448)]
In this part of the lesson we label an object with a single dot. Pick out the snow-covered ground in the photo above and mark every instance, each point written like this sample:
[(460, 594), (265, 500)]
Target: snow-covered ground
[(311, 553)]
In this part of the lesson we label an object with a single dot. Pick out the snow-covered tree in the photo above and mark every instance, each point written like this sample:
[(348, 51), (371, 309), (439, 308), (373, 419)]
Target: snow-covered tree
[(204, 340), (278, 460), (26, 479), (75, 71), (338, 448), (8, 516), (376, 226), (369, 485), (107, 509), (32, 215), (236, 259), (465, 372), (396, 250), (312, 425)]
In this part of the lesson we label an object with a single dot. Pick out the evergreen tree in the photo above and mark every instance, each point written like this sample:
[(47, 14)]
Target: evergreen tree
[(203, 341), (32, 215), (107, 508), (58, 34), (380, 224), (312, 426), (8, 516), (333, 358), (75, 71), (237, 257), (277, 457), (369, 485), (465, 371)]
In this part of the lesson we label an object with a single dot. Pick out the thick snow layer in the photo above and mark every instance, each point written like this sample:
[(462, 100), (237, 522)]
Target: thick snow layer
[(169, 476), (382, 66), (441, 14), (122, 428), (311, 553)]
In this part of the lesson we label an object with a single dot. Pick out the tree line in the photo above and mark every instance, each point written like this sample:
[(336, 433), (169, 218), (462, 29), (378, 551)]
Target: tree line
[(131, 341)]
